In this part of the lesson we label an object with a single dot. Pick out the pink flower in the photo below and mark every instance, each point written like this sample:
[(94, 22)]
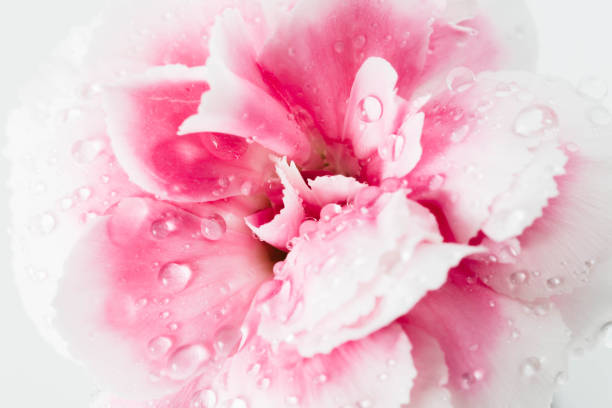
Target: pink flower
[(316, 203)]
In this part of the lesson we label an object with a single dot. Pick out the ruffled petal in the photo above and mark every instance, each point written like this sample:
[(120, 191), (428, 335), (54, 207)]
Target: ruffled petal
[(356, 270), (570, 238), (482, 182), (429, 390), (496, 349), (143, 117), (313, 57), (375, 371), (155, 295)]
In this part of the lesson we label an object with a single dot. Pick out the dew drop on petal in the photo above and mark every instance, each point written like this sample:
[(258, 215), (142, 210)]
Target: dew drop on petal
[(204, 399), (554, 283), (292, 400), (186, 361), (236, 403), (366, 403), (85, 151), (518, 278), (436, 182), (329, 211), (339, 47), (160, 229), (460, 79), (530, 367), (535, 120), (593, 87), (391, 147), (47, 223), (370, 109), (227, 339), (600, 116), (84, 193), (175, 276), (359, 42), (213, 227), (159, 346)]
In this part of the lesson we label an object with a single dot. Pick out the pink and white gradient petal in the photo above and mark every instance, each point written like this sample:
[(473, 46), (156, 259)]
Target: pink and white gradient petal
[(153, 294)]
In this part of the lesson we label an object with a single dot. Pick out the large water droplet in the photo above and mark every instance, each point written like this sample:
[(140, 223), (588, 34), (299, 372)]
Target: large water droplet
[(329, 211), (531, 366), (159, 346), (593, 87), (162, 228), (186, 361), (85, 151), (460, 79), (175, 276), (204, 399), (213, 227), (227, 340), (518, 278), (535, 121), (391, 147), (370, 109)]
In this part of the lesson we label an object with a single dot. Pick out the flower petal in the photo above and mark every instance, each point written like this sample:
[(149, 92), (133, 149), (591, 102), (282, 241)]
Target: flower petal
[(496, 349), (143, 117), (154, 294), (355, 271), (316, 53), (429, 390), (374, 371), (479, 35), (474, 177), (563, 248)]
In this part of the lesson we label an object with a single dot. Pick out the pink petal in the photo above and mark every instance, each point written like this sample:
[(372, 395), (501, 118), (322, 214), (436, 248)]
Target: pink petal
[(479, 35), (429, 390), (155, 295), (143, 117), (238, 107), (563, 248), (374, 371), (372, 106), (334, 189), (314, 56), (496, 349), (356, 270), (483, 144)]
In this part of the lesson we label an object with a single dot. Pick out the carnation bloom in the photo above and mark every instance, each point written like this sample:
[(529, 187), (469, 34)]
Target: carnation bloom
[(315, 203)]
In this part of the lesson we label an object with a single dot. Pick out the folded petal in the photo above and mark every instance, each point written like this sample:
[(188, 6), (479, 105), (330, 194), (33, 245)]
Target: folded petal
[(356, 270), (155, 295), (313, 57), (563, 248), (376, 371), (496, 349), (483, 143), (429, 390)]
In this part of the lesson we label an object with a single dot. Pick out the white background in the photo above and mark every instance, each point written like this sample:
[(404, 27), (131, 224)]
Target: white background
[(575, 41)]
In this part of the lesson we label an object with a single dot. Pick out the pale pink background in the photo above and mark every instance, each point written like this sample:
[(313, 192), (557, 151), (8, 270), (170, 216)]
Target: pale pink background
[(574, 37)]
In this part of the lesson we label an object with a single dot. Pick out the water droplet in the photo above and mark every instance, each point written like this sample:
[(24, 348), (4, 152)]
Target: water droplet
[(292, 400), (383, 377), (321, 379), (366, 403), (213, 227), (264, 383), (175, 276), (84, 193), (227, 340), (186, 361), (392, 147), (370, 109), (237, 403), (85, 151), (593, 87), (600, 116), (535, 120), (204, 399), (163, 227), (554, 283), (459, 134), (359, 42), (329, 211), (164, 315), (605, 335), (436, 182), (531, 366), (470, 378), (460, 79), (159, 346), (339, 47), (518, 278), (47, 223), (561, 378)]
